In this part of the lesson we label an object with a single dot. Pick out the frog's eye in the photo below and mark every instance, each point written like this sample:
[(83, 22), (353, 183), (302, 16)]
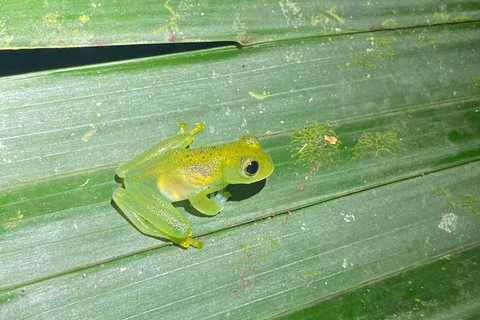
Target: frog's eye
[(251, 168)]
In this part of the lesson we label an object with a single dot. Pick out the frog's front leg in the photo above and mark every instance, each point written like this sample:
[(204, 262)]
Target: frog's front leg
[(155, 217), (181, 140), (209, 206)]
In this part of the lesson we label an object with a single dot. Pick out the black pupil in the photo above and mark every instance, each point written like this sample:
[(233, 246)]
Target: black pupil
[(252, 168)]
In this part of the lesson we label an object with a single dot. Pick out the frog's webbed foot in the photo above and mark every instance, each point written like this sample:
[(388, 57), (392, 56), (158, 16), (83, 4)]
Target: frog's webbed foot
[(192, 242), (198, 127)]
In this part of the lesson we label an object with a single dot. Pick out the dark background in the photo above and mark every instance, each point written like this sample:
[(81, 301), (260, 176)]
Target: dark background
[(31, 60)]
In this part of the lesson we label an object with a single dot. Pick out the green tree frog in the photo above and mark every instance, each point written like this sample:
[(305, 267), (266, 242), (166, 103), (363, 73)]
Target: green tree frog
[(170, 172)]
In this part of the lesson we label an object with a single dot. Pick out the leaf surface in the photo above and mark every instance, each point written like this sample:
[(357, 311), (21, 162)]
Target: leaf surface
[(402, 100)]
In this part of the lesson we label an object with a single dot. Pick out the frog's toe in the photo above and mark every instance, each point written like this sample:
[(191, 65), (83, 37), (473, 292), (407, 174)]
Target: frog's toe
[(195, 243), (198, 127), (183, 125), (189, 241)]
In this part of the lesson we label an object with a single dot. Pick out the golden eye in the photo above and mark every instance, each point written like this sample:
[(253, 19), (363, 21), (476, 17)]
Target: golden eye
[(251, 168)]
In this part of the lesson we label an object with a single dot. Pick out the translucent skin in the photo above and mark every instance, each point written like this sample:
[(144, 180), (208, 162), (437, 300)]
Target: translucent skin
[(169, 172)]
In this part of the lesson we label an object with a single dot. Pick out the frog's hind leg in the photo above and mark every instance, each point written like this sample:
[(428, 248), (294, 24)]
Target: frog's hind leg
[(158, 217)]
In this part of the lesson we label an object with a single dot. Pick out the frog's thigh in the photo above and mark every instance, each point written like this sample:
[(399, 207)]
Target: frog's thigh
[(152, 218), (208, 206)]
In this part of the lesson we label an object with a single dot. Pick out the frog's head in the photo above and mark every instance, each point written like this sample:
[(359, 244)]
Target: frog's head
[(246, 162)]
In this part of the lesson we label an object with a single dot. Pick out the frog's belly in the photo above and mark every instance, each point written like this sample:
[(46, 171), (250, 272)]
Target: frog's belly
[(175, 189)]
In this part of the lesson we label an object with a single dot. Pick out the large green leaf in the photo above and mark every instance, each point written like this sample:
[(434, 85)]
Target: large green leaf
[(27, 24), (415, 294), (302, 237)]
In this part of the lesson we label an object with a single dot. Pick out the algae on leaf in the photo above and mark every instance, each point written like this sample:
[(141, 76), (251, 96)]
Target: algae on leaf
[(467, 201), (379, 145), (315, 145)]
